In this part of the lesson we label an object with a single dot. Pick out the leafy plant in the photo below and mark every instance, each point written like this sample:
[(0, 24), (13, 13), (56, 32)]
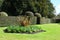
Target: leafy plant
[(22, 29)]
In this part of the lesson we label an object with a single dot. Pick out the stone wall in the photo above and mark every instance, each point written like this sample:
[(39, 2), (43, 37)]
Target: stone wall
[(14, 20), (44, 20)]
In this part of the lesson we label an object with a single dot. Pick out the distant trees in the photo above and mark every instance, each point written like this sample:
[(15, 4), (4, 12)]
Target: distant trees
[(19, 7), (58, 15), (1, 1)]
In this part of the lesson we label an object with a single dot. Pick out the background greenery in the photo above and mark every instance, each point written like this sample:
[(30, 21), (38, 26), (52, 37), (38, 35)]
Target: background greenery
[(19, 7)]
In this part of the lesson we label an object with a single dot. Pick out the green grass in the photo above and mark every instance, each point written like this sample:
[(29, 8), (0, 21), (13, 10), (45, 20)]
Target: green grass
[(52, 33)]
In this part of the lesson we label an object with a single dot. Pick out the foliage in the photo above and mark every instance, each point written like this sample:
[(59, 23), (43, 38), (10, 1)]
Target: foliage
[(1, 1), (18, 7), (28, 13), (51, 15), (22, 29), (38, 14), (25, 22), (58, 15)]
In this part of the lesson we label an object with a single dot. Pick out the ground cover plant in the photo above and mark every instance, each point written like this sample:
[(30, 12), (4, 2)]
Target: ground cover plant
[(23, 29)]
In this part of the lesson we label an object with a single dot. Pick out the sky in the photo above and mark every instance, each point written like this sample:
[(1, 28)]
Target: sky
[(56, 4)]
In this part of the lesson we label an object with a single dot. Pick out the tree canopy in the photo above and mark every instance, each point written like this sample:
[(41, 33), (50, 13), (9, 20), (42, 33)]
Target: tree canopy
[(19, 7)]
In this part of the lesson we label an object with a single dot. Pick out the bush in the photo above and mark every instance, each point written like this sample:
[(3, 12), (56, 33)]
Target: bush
[(38, 14), (21, 29), (29, 13), (3, 14), (25, 22)]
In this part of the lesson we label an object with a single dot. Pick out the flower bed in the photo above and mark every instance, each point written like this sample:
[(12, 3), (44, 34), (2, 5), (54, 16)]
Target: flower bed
[(21, 29)]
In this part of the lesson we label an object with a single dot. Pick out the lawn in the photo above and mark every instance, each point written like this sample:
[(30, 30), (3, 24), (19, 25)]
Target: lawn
[(52, 33)]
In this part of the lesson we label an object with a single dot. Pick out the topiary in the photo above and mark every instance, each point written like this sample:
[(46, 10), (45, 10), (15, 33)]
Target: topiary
[(3, 14), (29, 13), (38, 14)]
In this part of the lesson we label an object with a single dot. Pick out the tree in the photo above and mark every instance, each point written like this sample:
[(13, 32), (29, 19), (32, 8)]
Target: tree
[(50, 15), (51, 10), (1, 1), (19, 7), (58, 15)]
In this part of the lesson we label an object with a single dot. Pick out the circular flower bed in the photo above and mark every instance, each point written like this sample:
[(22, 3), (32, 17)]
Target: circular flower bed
[(21, 29)]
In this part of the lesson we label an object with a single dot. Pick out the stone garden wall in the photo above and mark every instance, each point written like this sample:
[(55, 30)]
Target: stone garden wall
[(5, 21), (13, 20), (44, 20)]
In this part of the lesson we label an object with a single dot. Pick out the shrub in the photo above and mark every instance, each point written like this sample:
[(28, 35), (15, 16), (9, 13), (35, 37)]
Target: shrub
[(38, 14), (29, 13), (3, 14), (21, 29), (25, 22)]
